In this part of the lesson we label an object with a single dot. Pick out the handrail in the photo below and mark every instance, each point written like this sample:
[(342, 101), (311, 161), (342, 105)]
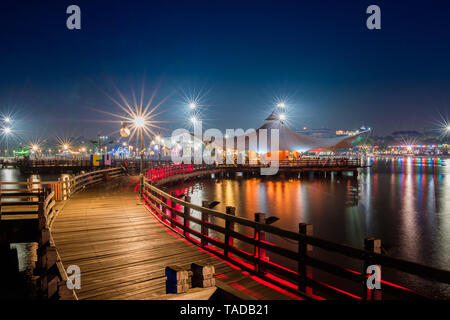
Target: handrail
[(97, 172), (161, 204), (26, 182), (42, 203)]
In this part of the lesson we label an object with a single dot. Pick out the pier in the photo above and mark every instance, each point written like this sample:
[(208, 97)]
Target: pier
[(122, 238)]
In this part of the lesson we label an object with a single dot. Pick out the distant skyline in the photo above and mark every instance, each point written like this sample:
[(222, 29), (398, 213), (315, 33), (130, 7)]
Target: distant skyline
[(240, 57)]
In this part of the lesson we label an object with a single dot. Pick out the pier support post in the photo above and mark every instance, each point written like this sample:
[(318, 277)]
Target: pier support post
[(229, 226), (374, 293), (304, 250), (204, 228), (187, 212), (260, 235)]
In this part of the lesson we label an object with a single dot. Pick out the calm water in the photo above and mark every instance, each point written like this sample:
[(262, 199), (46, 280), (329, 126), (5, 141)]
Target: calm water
[(404, 202)]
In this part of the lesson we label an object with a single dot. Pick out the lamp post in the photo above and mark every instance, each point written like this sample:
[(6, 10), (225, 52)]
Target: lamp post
[(141, 164), (139, 123), (7, 131)]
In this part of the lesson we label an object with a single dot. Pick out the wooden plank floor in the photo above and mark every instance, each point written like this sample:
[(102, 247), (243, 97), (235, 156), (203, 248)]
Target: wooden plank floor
[(122, 249)]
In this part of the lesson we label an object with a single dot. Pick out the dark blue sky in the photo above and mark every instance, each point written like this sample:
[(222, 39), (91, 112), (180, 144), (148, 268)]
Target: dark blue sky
[(333, 71)]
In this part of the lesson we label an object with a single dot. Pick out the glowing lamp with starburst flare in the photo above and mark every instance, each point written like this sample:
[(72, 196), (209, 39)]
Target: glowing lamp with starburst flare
[(139, 122)]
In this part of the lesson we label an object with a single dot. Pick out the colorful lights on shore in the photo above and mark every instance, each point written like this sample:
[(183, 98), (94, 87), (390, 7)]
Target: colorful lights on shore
[(415, 146)]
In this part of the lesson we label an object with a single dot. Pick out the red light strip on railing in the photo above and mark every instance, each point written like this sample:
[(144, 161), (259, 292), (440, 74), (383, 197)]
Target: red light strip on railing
[(161, 173)]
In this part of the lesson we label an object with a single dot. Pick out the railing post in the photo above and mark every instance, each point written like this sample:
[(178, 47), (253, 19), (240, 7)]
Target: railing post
[(187, 212), (163, 209), (64, 192), (144, 192), (260, 254), (204, 229), (229, 226), (372, 245), (303, 250), (42, 219), (172, 216)]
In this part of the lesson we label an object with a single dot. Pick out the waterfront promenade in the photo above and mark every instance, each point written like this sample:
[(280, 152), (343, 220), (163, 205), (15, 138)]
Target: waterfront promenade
[(122, 249), (123, 244)]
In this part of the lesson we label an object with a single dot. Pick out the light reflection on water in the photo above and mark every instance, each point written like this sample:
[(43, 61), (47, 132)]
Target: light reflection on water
[(404, 202)]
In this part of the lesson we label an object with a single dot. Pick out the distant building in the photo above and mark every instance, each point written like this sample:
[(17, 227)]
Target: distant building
[(350, 132), (346, 132)]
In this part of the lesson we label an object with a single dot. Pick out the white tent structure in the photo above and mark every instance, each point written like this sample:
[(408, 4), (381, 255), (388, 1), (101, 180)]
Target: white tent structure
[(288, 140)]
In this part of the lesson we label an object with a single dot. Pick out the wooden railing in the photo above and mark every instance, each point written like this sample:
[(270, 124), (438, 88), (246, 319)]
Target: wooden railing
[(37, 200), (157, 172), (51, 272), (64, 187), (177, 214), (73, 184), (39, 205), (58, 162), (309, 163), (161, 172)]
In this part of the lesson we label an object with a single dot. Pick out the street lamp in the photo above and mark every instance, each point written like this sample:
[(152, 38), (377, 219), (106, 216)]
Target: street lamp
[(35, 149), (139, 123), (7, 131)]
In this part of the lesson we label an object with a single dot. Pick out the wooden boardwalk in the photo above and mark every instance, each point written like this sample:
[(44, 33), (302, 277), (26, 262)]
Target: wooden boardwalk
[(122, 249)]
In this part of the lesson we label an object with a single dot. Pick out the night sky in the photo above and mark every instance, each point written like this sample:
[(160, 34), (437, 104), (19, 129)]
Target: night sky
[(238, 55)]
